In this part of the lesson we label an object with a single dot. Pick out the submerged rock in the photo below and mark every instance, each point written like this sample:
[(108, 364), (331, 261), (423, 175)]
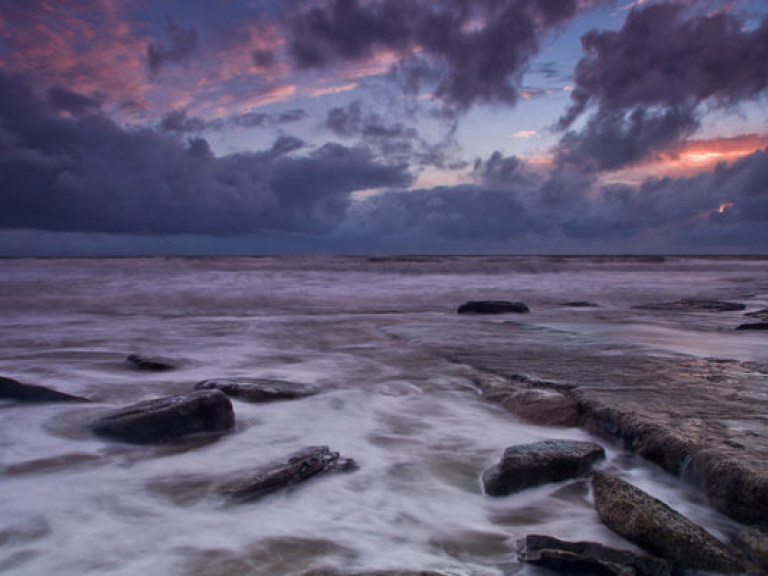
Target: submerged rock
[(656, 527), (759, 314), (580, 304), (753, 326), (529, 465), (167, 419), (11, 389), (588, 557), (492, 307), (147, 364), (259, 389), (692, 305), (303, 465)]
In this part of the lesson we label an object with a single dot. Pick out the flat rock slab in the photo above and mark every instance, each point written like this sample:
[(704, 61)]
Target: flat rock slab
[(11, 389), (302, 465), (530, 465), (654, 526), (753, 326), (150, 364), (692, 305), (492, 307), (259, 389), (538, 405), (588, 558), (167, 419)]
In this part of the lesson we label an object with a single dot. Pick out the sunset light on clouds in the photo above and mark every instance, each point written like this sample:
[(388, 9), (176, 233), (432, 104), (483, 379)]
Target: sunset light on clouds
[(323, 123)]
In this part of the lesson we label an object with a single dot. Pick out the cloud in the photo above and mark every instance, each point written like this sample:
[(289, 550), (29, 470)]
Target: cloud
[(89, 174), (649, 81), (465, 51), (182, 48)]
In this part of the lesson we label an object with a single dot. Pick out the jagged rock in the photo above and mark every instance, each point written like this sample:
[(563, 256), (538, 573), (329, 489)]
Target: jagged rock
[(692, 305), (259, 389), (529, 465), (11, 389), (657, 528), (753, 326), (492, 307), (539, 405), (580, 304), (304, 464), (755, 540), (170, 418), (588, 558), (147, 364)]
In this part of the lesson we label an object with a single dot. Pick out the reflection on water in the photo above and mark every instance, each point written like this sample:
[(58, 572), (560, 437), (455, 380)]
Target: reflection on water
[(74, 503)]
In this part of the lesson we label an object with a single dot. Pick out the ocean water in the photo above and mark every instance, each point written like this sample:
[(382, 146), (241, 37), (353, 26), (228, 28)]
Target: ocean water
[(73, 503)]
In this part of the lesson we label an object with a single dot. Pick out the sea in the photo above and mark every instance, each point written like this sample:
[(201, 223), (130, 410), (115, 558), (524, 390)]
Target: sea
[(362, 328)]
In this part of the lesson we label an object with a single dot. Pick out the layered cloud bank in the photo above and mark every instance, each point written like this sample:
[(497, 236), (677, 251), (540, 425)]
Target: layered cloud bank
[(86, 150)]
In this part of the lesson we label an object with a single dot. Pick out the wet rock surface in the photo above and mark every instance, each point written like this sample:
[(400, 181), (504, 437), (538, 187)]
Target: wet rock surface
[(530, 465), (332, 572), (493, 307), (700, 415), (580, 304), (758, 314), (753, 326), (150, 363), (588, 558), (167, 419), (657, 528), (307, 463), (259, 389), (11, 389), (694, 305), (755, 540)]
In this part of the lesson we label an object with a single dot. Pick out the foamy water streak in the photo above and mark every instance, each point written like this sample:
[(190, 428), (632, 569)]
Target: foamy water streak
[(75, 504)]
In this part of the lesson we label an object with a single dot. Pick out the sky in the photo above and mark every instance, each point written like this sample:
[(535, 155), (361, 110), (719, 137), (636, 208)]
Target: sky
[(132, 127)]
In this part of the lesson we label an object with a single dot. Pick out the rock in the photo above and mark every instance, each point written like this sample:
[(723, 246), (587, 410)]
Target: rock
[(539, 405), (588, 557), (170, 418), (656, 527), (753, 326), (759, 314), (580, 304), (305, 464), (148, 364), (334, 572), (10, 389), (755, 540), (259, 389), (695, 306), (492, 307), (529, 465)]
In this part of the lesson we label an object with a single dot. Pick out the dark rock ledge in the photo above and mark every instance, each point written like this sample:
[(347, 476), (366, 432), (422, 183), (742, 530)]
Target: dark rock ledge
[(654, 526), (259, 389), (168, 419), (530, 465), (753, 326), (11, 389), (588, 558), (492, 307), (307, 463)]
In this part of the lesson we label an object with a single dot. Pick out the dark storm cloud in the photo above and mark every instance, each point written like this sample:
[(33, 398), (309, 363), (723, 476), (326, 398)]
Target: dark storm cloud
[(182, 48), (179, 121), (75, 104), (89, 174), (568, 208), (649, 80), (393, 140), (466, 51)]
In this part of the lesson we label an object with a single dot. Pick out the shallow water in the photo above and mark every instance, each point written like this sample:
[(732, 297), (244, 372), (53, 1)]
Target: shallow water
[(76, 504)]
